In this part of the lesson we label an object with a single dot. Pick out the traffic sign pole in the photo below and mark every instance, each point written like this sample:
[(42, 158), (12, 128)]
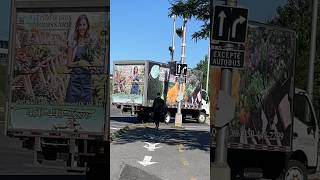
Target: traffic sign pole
[(312, 48), (173, 37), (221, 169), (178, 117)]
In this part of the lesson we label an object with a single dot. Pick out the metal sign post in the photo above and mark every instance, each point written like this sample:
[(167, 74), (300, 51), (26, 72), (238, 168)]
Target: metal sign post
[(230, 25), (312, 48), (172, 48), (178, 117)]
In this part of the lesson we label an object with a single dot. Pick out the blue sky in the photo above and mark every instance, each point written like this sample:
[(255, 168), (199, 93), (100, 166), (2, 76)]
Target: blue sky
[(141, 29)]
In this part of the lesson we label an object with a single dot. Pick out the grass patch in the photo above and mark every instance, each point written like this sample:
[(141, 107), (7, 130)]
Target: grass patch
[(119, 133), (177, 127)]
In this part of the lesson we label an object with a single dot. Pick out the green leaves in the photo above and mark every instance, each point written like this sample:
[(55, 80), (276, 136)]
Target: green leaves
[(203, 66), (198, 9), (297, 15)]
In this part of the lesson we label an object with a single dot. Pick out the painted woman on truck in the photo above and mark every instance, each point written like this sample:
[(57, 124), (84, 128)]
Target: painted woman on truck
[(135, 81), (80, 83)]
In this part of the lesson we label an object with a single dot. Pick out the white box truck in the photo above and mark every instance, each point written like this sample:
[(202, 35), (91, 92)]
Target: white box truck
[(58, 80), (137, 82), (275, 132)]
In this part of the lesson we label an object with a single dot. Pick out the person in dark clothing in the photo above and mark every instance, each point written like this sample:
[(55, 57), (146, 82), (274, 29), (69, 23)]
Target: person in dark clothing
[(158, 108)]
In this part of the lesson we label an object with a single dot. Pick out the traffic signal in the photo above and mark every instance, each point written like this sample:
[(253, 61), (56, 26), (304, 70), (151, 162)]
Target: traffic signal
[(172, 66)]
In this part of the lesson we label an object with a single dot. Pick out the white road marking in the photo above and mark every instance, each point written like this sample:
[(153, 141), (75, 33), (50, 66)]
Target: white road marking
[(147, 161), (152, 146)]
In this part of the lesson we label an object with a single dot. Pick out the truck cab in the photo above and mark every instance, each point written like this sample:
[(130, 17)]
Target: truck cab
[(205, 107), (299, 160), (305, 137)]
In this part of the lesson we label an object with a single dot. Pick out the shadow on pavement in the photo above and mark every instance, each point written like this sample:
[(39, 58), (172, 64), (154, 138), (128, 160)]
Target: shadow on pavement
[(190, 139)]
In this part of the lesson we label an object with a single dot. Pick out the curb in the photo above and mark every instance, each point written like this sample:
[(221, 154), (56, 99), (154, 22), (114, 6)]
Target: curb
[(164, 126)]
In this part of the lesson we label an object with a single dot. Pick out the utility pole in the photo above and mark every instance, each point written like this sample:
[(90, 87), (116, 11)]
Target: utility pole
[(208, 70), (312, 48), (178, 117), (173, 38), (221, 169)]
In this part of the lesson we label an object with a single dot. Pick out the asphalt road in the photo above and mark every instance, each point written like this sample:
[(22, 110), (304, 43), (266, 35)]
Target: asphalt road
[(180, 154), (183, 154), (119, 121)]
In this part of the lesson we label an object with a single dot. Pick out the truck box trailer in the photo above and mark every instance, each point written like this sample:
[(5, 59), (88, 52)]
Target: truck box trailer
[(136, 84), (275, 132), (195, 101), (58, 80)]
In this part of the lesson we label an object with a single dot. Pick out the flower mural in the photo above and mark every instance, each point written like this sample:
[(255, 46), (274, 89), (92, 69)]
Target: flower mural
[(259, 88)]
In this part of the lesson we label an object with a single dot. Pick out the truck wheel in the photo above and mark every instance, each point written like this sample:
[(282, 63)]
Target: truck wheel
[(167, 118), (295, 170), (202, 117)]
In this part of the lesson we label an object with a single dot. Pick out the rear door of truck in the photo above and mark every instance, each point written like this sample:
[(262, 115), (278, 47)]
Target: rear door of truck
[(129, 82), (262, 90), (42, 33)]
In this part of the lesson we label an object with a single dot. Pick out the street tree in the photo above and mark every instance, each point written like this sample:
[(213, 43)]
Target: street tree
[(198, 9), (297, 15), (203, 66)]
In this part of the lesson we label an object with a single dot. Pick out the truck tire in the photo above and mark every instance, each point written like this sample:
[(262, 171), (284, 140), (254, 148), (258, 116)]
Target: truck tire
[(202, 117), (295, 169), (167, 118)]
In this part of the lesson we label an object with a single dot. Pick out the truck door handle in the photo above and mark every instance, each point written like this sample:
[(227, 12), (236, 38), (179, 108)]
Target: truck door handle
[(295, 135)]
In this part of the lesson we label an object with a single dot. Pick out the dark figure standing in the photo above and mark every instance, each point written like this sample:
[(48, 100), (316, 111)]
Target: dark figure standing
[(159, 110)]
